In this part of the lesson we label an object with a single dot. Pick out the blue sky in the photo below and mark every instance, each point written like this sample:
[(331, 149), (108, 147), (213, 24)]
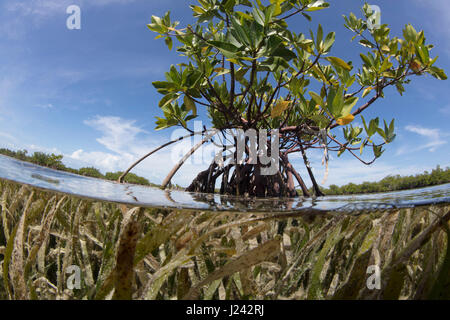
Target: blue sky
[(87, 93)]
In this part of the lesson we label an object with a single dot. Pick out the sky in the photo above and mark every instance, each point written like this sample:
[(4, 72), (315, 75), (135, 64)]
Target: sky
[(87, 93)]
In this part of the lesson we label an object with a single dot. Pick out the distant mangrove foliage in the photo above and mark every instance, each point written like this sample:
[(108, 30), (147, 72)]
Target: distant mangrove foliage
[(394, 183), (55, 162)]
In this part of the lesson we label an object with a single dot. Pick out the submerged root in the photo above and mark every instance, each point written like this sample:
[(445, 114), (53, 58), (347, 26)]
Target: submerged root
[(246, 180)]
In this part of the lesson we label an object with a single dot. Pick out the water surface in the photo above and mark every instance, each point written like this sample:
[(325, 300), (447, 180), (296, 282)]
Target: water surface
[(143, 196)]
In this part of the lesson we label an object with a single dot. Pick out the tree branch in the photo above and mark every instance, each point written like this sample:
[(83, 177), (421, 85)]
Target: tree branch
[(186, 156), (120, 180)]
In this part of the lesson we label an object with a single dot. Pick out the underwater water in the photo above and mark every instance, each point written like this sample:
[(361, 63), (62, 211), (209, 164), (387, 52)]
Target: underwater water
[(64, 236)]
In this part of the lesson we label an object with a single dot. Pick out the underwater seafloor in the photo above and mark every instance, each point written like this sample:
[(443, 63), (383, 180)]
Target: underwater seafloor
[(55, 245)]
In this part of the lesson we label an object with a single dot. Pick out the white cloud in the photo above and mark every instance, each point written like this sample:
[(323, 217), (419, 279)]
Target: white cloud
[(102, 160), (23, 14), (37, 7), (118, 134), (46, 8), (429, 133), (127, 142), (434, 137)]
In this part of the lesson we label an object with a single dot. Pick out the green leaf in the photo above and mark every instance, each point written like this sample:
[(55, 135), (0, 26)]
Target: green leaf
[(244, 15), (161, 123), (381, 133), (373, 125), (221, 71), (157, 25), (190, 117), (391, 126), (168, 99), (388, 74), (169, 42), (277, 4), (160, 276), (367, 43), (317, 98), (423, 54), (386, 65), (229, 5), (385, 49), (438, 73), (367, 91), (240, 33), (275, 64), (335, 61), (235, 61), (366, 60), (400, 88), (365, 125), (318, 5), (432, 61), (389, 131), (190, 105), (377, 151), (319, 37), (259, 16), (198, 9), (321, 120), (410, 33), (226, 48), (348, 105), (165, 87), (338, 103), (268, 15), (284, 53), (307, 45), (329, 41), (307, 16)]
